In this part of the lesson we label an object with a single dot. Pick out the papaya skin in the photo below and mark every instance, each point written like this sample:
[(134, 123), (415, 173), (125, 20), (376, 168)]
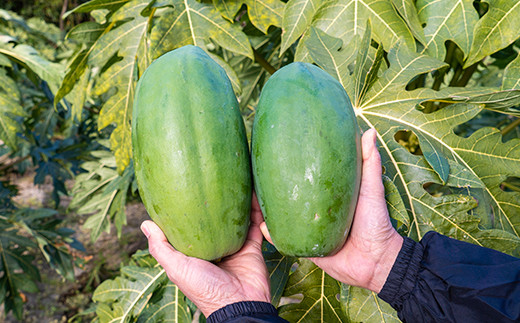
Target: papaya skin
[(306, 158), (191, 154)]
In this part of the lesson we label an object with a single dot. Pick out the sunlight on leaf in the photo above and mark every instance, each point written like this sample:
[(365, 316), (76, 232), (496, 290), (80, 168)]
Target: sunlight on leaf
[(511, 79), (363, 305), (297, 18), (498, 28), (447, 20), (344, 19), (320, 296), (193, 23)]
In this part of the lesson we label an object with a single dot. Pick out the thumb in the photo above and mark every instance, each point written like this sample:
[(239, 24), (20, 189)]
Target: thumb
[(170, 259), (371, 183)]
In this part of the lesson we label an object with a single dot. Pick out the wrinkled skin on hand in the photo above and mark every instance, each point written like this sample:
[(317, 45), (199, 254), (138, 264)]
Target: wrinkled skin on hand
[(242, 276)]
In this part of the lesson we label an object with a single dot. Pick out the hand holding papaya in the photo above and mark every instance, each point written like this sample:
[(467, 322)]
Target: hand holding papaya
[(242, 276), (373, 244)]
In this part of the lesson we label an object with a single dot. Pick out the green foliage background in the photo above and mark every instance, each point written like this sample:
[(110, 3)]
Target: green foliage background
[(439, 80)]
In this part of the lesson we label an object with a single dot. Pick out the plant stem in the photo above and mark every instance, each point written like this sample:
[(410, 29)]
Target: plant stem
[(511, 187), (450, 59), (468, 72), (510, 127), (438, 80), (265, 64), (456, 76), (63, 10)]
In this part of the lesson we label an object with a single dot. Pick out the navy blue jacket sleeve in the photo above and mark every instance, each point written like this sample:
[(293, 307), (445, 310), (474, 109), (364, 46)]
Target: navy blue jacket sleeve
[(445, 280), (246, 312)]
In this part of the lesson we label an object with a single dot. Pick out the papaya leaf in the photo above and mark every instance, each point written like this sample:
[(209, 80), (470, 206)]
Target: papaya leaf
[(39, 225), (321, 294), (328, 53), (110, 5), (167, 304), (363, 305), (17, 269), (387, 90), (362, 65), (87, 32), (511, 79), (22, 231), (389, 108), (90, 33), (228, 9), (78, 96), (279, 267), (130, 295), (498, 28), (408, 11), (436, 160), (345, 19), (262, 13), (191, 22), (265, 13), (447, 20), (505, 101), (297, 17), (10, 110), (74, 72), (50, 72), (395, 203), (126, 41), (101, 192), (367, 67)]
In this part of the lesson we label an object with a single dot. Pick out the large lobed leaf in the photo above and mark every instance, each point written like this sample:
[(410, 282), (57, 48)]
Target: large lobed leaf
[(10, 109), (498, 28), (14, 56), (336, 35), (101, 192), (126, 41), (193, 23), (474, 167), (359, 310), (50, 72), (142, 293), (122, 43), (447, 20), (321, 294), (297, 17), (279, 267), (345, 19)]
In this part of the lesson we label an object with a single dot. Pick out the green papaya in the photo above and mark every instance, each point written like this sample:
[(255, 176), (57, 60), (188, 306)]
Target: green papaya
[(191, 154), (306, 159)]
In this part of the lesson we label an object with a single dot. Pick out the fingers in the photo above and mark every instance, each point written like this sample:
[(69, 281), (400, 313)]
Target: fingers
[(254, 235), (170, 259), (265, 232), (372, 171)]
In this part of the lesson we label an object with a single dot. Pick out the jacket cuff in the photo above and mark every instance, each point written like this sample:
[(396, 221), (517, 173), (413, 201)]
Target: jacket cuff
[(241, 309), (403, 276)]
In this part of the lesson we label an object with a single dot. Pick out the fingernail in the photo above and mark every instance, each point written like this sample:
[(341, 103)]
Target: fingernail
[(145, 229)]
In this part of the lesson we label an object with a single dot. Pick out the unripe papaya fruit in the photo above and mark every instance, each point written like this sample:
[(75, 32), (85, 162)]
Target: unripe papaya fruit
[(306, 158), (191, 154)]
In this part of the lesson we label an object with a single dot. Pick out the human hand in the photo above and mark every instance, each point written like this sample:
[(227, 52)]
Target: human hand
[(373, 244), (240, 277)]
